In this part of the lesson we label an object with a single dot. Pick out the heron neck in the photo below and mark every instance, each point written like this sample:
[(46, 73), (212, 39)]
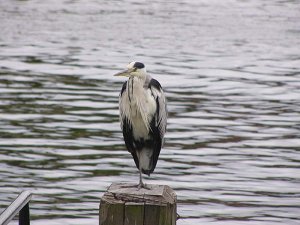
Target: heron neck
[(140, 78), (135, 86)]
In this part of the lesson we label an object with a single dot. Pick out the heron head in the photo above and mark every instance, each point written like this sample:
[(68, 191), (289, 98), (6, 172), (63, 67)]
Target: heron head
[(133, 69)]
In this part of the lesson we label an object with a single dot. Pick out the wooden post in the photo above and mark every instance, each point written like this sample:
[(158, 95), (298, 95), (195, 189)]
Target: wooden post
[(125, 204)]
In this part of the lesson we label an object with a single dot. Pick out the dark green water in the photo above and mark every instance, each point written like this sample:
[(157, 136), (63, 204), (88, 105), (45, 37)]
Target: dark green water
[(231, 75)]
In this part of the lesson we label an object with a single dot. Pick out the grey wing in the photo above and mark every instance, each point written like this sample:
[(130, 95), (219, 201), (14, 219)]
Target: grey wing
[(161, 110), (125, 124), (122, 104)]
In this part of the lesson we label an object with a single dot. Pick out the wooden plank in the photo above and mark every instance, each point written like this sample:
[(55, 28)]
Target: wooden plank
[(125, 204), (134, 213), (152, 214), (111, 211)]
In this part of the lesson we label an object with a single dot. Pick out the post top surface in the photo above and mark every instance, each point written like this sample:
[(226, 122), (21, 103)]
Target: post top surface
[(152, 189)]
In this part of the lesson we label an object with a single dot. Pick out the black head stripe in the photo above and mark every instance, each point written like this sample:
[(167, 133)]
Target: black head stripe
[(139, 65)]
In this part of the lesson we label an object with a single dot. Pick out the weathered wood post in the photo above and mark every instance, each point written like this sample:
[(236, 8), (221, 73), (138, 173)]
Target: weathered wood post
[(125, 204)]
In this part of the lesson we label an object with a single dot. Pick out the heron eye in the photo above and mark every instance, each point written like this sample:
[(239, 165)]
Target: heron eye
[(134, 69)]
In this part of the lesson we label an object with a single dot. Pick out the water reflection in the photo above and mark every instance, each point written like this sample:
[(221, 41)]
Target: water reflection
[(231, 74)]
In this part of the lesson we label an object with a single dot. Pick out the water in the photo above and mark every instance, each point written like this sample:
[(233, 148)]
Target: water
[(231, 75)]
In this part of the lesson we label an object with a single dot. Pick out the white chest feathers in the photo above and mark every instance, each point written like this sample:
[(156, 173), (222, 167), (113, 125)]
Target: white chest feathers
[(139, 106)]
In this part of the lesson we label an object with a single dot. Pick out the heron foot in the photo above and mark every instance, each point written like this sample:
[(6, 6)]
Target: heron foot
[(143, 186)]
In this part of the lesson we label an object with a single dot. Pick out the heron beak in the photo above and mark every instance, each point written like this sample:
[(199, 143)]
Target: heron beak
[(125, 73)]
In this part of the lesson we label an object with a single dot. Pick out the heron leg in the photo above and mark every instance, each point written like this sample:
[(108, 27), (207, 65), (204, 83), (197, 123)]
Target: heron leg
[(141, 184)]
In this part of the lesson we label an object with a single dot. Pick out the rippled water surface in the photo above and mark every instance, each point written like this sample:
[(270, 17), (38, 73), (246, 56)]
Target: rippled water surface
[(230, 71)]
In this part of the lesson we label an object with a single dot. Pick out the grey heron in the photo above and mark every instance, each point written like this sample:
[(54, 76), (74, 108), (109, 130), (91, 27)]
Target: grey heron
[(143, 117)]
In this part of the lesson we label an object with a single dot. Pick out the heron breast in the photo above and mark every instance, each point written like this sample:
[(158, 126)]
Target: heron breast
[(139, 128), (142, 108), (142, 113)]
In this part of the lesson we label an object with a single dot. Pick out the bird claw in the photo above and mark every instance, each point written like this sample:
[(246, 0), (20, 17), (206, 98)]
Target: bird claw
[(143, 186)]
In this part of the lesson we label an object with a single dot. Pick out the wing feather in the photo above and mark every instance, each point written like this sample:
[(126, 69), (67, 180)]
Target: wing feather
[(127, 127), (158, 124), (161, 113)]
